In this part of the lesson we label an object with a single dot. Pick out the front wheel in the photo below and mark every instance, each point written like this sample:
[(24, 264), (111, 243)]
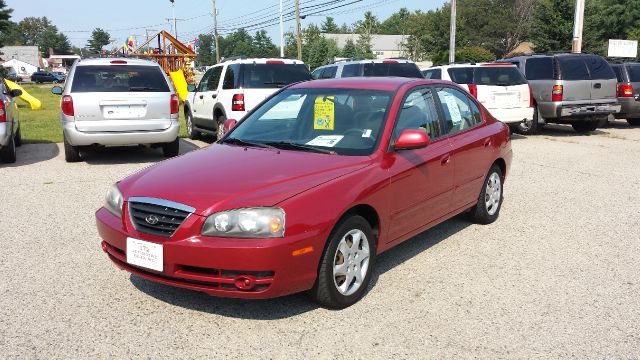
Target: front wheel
[(220, 132), (487, 209), (346, 264), (584, 127)]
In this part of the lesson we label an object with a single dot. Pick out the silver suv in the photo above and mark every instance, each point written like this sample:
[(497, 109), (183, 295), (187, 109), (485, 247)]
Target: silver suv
[(576, 89), (628, 74), (9, 123), (116, 102)]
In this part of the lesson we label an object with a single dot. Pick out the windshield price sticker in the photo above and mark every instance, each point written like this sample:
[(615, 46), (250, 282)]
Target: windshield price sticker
[(323, 113), (326, 140)]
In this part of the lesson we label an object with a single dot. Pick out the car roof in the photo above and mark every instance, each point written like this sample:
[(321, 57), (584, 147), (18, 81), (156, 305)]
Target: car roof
[(366, 61), (108, 61), (369, 83), (260, 61)]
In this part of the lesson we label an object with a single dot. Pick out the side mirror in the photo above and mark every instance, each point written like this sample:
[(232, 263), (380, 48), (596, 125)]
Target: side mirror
[(56, 90), (15, 92), (229, 124), (191, 88), (411, 139)]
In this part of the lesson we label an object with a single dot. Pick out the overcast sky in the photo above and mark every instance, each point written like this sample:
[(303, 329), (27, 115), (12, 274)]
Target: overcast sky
[(76, 18)]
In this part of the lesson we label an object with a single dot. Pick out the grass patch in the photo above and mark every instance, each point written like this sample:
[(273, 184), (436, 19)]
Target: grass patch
[(43, 125)]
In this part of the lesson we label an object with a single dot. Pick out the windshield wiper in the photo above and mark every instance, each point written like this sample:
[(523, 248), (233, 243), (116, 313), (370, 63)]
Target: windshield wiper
[(302, 147), (143, 88), (241, 142)]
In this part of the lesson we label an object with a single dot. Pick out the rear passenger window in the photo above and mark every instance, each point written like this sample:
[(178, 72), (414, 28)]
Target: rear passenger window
[(329, 73), (432, 74), (573, 68), (539, 68), (351, 70), (418, 112), (634, 73), (461, 75), (316, 73), (459, 115), (618, 71), (599, 68), (231, 77)]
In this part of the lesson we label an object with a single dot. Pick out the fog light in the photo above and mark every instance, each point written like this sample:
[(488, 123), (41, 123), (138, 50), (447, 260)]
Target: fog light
[(243, 282)]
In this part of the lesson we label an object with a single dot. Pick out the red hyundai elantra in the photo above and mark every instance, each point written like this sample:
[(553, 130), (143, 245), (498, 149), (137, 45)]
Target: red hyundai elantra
[(309, 188)]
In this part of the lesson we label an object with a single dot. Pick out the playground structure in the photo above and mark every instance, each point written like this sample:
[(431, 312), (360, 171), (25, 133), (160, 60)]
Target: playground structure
[(26, 97)]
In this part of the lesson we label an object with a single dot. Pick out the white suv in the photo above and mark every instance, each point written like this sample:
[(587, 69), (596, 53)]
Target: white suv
[(232, 88), (500, 87)]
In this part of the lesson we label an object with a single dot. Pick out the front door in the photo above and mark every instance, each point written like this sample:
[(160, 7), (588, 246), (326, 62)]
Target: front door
[(205, 98)]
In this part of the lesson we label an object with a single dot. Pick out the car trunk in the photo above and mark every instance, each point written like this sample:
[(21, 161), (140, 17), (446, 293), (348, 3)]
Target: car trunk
[(503, 97)]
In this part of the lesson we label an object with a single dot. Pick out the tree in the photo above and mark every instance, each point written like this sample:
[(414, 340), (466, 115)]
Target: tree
[(54, 40), (263, 47), (368, 25), (238, 43), (363, 46), (396, 24), (465, 54), (329, 26), (5, 24), (206, 51), (429, 33), (34, 31), (552, 25), (99, 39), (349, 49), (344, 29)]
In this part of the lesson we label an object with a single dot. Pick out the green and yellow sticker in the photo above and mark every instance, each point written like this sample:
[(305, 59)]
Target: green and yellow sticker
[(323, 113)]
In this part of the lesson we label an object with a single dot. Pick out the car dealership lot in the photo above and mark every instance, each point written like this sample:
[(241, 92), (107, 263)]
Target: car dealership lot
[(555, 276)]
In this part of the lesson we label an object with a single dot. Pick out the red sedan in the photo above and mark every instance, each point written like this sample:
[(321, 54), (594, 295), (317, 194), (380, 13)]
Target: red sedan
[(306, 190)]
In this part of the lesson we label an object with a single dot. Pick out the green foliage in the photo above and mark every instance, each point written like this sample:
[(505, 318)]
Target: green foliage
[(263, 47), (99, 39), (552, 25), (40, 32), (475, 54), (349, 50), (396, 24), (329, 26), (206, 50), (6, 25)]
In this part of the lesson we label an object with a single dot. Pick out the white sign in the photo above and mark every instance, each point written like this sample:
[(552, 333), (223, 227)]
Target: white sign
[(623, 48), (145, 254)]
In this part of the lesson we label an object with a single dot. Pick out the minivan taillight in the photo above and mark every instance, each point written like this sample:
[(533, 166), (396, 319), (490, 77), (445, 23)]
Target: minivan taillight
[(237, 102), (556, 93), (3, 112), (625, 90), (530, 97), (66, 104), (473, 89), (175, 104)]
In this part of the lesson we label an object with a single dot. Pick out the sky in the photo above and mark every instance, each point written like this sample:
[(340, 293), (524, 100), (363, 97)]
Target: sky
[(77, 18)]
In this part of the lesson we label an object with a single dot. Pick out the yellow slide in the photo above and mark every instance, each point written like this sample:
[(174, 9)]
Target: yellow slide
[(180, 83), (35, 103)]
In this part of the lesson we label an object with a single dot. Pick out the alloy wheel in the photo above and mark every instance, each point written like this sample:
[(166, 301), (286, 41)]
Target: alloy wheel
[(351, 262), (492, 194)]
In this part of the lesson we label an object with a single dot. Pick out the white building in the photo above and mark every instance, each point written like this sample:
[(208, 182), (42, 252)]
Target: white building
[(383, 46), (23, 69)]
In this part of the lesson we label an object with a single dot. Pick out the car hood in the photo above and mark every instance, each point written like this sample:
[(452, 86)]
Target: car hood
[(221, 176)]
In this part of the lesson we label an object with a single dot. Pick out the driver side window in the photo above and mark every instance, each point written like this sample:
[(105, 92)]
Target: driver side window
[(419, 112), (210, 79)]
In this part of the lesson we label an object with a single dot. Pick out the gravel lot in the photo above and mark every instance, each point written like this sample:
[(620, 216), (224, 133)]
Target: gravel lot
[(555, 276)]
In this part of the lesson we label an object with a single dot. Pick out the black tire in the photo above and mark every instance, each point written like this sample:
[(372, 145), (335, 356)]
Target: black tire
[(603, 121), (191, 132), (482, 213), (8, 152), (634, 122), (584, 127), (220, 132), (71, 153), (171, 149), (528, 128), (325, 290), (18, 138)]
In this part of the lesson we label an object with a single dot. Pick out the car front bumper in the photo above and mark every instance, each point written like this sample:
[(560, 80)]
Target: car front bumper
[(213, 265), (514, 115), (80, 138)]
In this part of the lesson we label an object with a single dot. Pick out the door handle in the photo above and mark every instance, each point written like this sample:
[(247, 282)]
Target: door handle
[(201, 96), (597, 85), (487, 142), (445, 159), (213, 96)]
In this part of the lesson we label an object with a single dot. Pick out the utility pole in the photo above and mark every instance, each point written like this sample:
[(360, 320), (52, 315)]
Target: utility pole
[(215, 30), (578, 20), (298, 30), (452, 34), (281, 32), (175, 24)]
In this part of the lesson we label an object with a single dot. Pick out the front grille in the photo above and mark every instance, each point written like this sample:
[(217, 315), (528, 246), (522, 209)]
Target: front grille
[(156, 216)]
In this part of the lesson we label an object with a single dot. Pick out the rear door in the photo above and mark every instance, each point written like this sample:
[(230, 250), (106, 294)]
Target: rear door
[(603, 79), (501, 87), (121, 98), (576, 81), (540, 73)]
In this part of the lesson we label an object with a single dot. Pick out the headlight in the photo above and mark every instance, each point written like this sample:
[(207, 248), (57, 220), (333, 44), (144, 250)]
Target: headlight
[(246, 223), (113, 201)]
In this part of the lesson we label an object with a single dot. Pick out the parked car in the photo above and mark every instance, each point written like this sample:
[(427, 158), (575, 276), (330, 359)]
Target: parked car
[(367, 68), (43, 76), (12, 75), (234, 87), (117, 102), (576, 89), (500, 87), (628, 74), (10, 136), (306, 198)]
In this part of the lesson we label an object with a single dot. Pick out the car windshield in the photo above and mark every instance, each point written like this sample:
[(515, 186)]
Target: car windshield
[(332, 121), (118, 78)]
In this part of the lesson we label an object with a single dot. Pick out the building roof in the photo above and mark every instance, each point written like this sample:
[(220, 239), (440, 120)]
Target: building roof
[(28, 54), (378, 42)]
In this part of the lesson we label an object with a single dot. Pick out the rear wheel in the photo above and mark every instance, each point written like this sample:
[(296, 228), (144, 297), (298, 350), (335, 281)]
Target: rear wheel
[(487, 209), (584, 127), (634, 122), (8, 152), (18, 138), (192, 133), (346, 264), (220, 132), (71, 153), (171, 149), (528, 127)]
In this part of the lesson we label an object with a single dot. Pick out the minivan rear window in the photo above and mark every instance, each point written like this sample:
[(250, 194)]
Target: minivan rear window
[(573, 68), (634, 73), (408, 70), (118, 78), (266, 76), (498, 75), (539, 68)]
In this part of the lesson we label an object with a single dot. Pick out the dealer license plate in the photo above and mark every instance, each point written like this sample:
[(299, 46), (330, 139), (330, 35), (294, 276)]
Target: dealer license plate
[(145, 254)]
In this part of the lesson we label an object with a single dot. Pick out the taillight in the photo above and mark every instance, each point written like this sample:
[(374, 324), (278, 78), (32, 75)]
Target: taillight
[(556, 93), (473, 89), (625, 90), (67, 105), (3, 113), (175, 104), (237, 102), (530, 97)]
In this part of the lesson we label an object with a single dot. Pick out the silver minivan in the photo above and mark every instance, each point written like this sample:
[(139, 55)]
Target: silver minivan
[(118, 102), (9, 123)]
